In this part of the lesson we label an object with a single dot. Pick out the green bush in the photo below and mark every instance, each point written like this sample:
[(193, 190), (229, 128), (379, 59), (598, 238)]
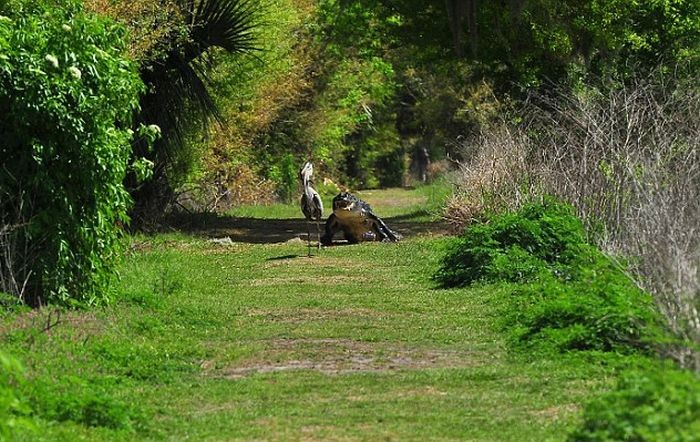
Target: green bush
[(568, 295), (540, 238), (67, 96), (661, 404), (603, 312)]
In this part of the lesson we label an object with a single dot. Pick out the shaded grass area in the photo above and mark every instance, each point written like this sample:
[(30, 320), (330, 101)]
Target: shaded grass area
[(257, 341)]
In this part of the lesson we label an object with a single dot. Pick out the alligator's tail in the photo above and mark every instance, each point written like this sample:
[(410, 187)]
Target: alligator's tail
[(387, 233)]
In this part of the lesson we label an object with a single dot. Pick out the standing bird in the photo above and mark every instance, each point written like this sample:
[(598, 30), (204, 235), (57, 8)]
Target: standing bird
[(311, 205)]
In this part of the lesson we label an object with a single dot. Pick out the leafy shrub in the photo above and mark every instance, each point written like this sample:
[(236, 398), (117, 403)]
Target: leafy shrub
[(570, 296), (13, 409), (517, 246), (662, 404), (603, 311), (66, 98)]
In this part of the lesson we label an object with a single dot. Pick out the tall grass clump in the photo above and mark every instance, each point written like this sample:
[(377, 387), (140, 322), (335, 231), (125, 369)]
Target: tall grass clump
[(627, 157)]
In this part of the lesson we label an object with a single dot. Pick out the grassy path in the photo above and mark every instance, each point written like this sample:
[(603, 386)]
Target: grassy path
[(255, 340)]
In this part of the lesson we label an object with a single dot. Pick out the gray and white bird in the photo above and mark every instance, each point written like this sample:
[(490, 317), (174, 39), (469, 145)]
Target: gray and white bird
[(311, 205)]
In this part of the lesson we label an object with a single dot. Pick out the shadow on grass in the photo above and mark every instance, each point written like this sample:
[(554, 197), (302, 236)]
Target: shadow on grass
[(269, 231), (283, 257)]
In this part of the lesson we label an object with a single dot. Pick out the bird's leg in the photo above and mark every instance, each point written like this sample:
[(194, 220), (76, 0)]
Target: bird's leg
[(308, 236)]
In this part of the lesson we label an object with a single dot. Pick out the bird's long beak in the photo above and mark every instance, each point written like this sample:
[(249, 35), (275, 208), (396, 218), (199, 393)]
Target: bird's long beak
[(306, 172)]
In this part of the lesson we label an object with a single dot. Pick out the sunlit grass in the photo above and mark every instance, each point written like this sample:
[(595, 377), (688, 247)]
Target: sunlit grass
[(258, 341)]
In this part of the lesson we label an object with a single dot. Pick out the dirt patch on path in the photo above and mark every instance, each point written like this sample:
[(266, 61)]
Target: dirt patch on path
[(345, 356)]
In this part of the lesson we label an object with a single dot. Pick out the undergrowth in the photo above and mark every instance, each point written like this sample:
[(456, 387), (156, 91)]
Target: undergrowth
[(568, 296), (662, 404), (28, 404), (82, 402)]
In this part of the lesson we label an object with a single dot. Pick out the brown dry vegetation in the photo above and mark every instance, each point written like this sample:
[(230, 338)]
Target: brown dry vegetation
[(628, 160)]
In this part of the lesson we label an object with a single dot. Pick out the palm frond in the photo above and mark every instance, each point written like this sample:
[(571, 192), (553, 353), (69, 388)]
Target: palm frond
[(228, 24), (179, 82), (179, 91)]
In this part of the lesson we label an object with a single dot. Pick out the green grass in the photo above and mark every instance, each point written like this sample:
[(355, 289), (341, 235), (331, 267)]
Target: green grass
[(258, 341)]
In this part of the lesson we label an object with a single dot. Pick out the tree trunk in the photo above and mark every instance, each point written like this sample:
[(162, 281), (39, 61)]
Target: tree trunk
[(472, 23), (456, 11), (455, 15)]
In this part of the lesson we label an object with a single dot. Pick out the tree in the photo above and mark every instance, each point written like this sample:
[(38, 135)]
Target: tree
[(178, 90), (456, 10), (67, 96)]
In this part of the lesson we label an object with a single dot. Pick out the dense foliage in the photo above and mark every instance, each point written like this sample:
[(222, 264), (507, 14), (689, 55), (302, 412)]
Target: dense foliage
[(516, 246), (660, 404), (67, 96), (568, 296), (376, 91), (526, 41)]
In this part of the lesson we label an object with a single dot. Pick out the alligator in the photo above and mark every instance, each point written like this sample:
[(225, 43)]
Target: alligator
[(357, 221)]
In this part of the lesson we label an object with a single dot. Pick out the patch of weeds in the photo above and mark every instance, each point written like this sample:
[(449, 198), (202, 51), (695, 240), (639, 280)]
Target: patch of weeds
[(73, 399), (144, 298), (660, 403), (14, 410), (145, 325), (140, 362), (165, 284)]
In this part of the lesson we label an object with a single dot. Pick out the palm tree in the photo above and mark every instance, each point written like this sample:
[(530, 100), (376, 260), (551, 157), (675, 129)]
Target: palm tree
[(178, 89)]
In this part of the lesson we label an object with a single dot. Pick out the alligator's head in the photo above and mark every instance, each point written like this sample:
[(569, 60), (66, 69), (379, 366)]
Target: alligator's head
[(351, 213), (345, 203)]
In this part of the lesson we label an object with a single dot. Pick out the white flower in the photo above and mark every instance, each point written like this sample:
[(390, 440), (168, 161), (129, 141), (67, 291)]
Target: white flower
[(53, 61), (75, 72), (154, 128), (66, 28)]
